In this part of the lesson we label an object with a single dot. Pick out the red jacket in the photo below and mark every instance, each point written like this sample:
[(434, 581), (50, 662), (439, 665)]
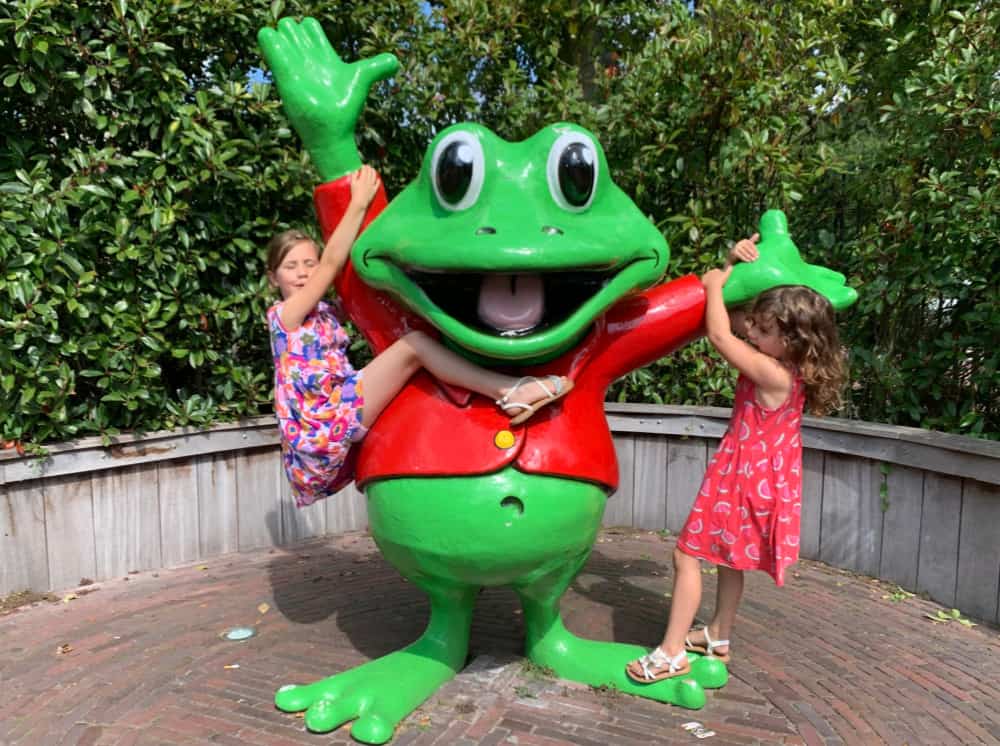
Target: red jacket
[(433, 429)]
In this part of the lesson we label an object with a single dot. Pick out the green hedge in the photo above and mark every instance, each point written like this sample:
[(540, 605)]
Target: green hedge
[(145, 170)]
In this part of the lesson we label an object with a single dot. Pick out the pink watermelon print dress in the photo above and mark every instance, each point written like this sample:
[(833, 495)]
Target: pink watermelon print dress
[(746, 514), (318, 400)]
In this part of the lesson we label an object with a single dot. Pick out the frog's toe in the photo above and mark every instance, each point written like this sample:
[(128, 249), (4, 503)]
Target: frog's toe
[(293, 698), (689, 694), (325, 715), (708, 671), (372, 729)]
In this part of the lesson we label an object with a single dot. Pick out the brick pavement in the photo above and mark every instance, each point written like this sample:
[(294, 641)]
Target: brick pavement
[(826, 660)]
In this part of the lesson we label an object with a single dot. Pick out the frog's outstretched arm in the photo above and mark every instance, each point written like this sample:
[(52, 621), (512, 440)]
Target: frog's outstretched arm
[(322, 94)]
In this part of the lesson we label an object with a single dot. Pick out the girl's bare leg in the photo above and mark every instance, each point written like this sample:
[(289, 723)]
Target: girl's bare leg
[(727, 603), (389, 371), (684, 602)]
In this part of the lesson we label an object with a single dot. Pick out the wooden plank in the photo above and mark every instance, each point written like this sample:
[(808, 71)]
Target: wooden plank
[(812, 503), (650, 493), (126, 521), (178, 483), (74, 458), (937, 565), (685, 425), (948, 454), (347, 510), (69, 528), (298, 524), (686, 462), (973, 458), (218, 517), (852, 514), (901, 529), (979, 551), (24, 563), (258, 498), (618, 509), (657, 413)]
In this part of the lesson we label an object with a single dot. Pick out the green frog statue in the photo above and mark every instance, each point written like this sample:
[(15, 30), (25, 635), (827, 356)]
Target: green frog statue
[(518, 255)]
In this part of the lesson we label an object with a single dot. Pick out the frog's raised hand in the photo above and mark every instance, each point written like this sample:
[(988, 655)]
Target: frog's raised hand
[(781, 264), (321, 93)]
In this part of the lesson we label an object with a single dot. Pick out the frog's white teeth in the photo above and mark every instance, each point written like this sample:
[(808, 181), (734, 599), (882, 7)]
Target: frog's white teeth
[(511, 302)]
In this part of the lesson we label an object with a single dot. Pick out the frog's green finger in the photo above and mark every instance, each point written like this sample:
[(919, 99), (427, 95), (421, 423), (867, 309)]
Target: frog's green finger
[(375, 68), (840, 296), (269, 42), (281, 56), (291, 30), (832, 275), (316, 37)]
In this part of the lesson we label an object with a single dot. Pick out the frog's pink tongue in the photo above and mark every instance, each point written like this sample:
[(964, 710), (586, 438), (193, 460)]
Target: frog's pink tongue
[(511, 302)]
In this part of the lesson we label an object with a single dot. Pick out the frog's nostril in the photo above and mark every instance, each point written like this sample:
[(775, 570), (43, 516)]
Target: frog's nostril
[(513, 502), (551, 230), (486, 230)]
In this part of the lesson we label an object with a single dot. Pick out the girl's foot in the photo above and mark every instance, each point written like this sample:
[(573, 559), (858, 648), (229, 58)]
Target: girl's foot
[(700, 641), (657, 665), (530, 394)]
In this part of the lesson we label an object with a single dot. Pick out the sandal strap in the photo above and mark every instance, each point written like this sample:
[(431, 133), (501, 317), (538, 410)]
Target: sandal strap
[(656, 657), (557, 384), (505, 406), (711, 644), (505, 399)]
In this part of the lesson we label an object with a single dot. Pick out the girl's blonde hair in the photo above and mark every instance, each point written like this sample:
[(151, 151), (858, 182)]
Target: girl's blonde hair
[(279, 246), (805, 319)]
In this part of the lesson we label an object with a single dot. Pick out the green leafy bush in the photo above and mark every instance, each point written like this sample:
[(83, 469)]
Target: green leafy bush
[(141, 176), (145, 169)]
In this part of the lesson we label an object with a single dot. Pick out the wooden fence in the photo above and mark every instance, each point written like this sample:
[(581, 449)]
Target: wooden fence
[(917, 508)]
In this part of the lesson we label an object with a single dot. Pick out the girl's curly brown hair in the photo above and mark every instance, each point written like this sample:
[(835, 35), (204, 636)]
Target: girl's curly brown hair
[(805, 319)]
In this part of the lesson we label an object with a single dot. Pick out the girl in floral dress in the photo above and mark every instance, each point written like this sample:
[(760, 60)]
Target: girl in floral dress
[(322, 403), (746, 514)]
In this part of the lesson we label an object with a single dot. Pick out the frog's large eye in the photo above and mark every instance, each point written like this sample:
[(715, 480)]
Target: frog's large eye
[(572, 171), (457, 168)]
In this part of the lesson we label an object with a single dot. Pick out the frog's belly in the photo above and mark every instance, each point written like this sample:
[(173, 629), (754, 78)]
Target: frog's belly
[(489, 530)]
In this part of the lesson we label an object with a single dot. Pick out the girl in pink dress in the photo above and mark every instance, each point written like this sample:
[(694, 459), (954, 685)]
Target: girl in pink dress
[(322, 403), (746, 514)]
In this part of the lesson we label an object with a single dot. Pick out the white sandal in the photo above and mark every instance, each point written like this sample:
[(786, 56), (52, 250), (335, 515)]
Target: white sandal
[(668, 667), (709, 647), (560, 390)]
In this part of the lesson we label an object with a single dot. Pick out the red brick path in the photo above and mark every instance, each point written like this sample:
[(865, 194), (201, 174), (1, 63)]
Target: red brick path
[(826, 660)]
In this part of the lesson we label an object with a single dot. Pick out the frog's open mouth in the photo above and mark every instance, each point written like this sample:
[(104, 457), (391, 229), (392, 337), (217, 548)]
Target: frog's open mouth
[(511, 304)]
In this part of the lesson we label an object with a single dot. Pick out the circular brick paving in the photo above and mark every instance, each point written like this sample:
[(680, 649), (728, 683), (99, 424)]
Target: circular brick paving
[(829, 659)]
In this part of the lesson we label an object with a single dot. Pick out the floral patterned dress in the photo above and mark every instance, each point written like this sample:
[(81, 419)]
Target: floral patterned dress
[(318, 400), (746, 514)]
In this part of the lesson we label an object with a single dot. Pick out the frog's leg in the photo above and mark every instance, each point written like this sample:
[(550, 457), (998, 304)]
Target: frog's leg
[(379, 694), (551, 645)]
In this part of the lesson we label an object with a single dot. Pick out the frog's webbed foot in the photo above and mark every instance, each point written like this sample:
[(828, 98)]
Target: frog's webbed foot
[(781, 264), (551, 645), (376, 695), (379, 694), (603, 664)]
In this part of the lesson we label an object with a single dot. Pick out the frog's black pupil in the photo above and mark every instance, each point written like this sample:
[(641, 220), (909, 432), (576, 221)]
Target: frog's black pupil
[(576, 173), (454, 172)]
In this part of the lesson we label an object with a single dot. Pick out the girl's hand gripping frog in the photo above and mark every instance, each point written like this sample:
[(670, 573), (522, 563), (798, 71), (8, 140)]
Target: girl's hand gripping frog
[(518, 255)]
